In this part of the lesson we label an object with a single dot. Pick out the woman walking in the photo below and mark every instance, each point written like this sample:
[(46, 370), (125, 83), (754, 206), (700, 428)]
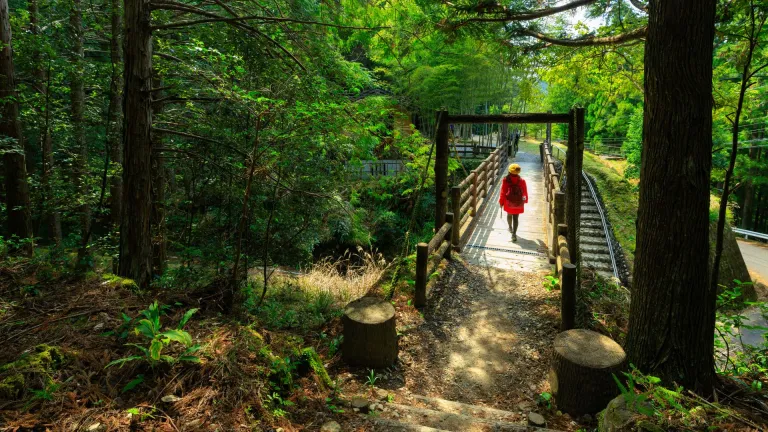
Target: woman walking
[(513, 196)]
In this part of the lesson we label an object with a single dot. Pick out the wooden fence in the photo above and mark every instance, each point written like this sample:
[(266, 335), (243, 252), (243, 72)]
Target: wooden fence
[(557, 231), (467, 200)]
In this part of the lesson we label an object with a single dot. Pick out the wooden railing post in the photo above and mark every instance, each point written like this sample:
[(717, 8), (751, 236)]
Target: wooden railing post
[(422, 256), (456, 231), (449, 235), (474, 192), (549, 130), (568, 297), (559, 218)]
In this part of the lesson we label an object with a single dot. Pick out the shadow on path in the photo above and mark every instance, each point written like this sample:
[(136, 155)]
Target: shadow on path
[(486, 338)]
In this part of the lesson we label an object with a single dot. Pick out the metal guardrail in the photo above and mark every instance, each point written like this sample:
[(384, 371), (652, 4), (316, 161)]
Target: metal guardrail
[(604, 222), (747, 233)]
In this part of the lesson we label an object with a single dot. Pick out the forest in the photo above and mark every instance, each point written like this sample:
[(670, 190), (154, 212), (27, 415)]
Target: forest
[(192, 193)]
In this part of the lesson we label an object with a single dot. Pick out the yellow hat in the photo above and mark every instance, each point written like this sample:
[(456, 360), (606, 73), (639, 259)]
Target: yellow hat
[(514, 169)]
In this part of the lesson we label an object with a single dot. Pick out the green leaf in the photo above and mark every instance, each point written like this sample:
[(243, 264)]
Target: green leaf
[(191, 359), (146, 328), (154, 349), (192, 349), (141, 348), (123, 361), (187, 315), (177, 335), (133, 383)]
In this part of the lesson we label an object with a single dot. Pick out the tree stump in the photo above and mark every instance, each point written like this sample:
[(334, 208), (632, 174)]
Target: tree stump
[(581, 375), (370, 338)]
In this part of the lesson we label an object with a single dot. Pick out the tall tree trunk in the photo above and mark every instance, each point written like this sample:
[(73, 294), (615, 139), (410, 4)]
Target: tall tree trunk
[(16, 186), (115, 110), (759, 210), (135, 232), (159, 249), (672, 315), (745, 78), (77, 99), (49, 213), (747, 216)]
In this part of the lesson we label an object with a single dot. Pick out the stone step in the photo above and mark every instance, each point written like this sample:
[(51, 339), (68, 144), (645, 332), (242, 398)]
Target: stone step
[(608, 274), (449, 421), (592, 232), (389, 425), (599, 266), (592, 224), (594, 217), (598, 239), (594, 248), (596, 258), (476, 411)]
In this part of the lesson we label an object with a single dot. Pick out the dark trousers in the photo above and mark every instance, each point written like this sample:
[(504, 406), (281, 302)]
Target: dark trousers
[(512, 221)]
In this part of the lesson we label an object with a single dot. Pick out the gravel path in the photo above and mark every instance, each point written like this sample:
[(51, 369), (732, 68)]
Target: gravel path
[(486, 338)]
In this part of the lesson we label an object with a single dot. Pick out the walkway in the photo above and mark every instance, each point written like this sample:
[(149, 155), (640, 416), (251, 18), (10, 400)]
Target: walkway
[(490, 243)]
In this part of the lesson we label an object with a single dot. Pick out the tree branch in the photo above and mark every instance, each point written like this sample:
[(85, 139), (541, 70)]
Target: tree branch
[(197, 137), (638, 4), (525, 16), (176, 99), (588, 41), (253, 18)]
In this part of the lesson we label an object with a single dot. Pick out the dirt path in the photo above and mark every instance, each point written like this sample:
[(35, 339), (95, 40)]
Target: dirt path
[(486, 338)]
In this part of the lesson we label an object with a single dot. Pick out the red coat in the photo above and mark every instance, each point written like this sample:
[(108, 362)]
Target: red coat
[(505, 185)]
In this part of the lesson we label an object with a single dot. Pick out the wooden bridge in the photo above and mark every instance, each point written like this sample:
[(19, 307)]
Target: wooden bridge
[(475, 226)]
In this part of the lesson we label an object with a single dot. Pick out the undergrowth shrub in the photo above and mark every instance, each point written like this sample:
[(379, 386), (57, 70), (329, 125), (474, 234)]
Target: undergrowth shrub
[(603, 305), (310, 299), (744, 362)]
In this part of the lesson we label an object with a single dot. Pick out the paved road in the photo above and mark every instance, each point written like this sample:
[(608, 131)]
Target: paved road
[(756, 257)]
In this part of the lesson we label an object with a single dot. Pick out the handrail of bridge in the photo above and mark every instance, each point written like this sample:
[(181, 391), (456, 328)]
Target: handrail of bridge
[(557, 231), (747, 233), (467, 201)]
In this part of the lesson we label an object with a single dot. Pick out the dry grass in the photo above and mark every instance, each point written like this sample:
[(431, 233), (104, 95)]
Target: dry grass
[(344, 279)]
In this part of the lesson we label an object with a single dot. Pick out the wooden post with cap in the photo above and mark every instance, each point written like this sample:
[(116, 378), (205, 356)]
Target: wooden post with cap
[(456, 208)]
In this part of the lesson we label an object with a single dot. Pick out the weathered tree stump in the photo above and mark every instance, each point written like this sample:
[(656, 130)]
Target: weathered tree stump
[(370, 338), (581, 375)]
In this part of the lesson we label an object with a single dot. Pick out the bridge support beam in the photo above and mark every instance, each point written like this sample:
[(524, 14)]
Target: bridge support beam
[(441, 168)]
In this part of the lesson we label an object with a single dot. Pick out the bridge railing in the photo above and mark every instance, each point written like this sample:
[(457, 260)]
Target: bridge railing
[(557, 231), (467, 201)]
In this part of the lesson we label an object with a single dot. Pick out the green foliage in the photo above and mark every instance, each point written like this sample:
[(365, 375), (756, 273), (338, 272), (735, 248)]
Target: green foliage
[(551, 283), (644, 394), (157, 340), (287, 305), (633, 143), (372, 378), (747, 363), (545, 400), (31, 369)]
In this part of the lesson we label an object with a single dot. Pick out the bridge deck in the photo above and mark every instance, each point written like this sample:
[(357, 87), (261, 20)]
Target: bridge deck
[(490, 243)]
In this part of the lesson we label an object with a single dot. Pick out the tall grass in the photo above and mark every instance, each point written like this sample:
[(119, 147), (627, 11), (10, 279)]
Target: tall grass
[(309, 299), (346, 278)]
